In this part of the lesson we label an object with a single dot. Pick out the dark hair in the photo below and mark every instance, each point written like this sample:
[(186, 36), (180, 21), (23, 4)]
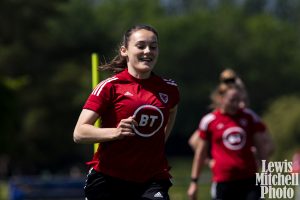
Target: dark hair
[(119, 62)]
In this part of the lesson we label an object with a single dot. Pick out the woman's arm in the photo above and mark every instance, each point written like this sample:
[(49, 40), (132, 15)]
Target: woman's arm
[(264, 145), (171, 121), (198, 162), (86, 132), (194, 139)]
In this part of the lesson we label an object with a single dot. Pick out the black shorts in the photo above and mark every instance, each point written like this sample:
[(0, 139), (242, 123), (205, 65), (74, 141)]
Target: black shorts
[(102, 187), (245, 189)]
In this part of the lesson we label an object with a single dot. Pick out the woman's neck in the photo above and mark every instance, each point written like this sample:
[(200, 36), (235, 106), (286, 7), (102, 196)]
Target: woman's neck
[(138, 75)]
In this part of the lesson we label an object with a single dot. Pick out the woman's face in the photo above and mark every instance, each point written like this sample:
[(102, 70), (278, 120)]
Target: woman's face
[(141, 52), (230, 103)]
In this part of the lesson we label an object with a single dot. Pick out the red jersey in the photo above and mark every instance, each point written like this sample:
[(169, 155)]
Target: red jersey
[(141, 157), (231, 140)]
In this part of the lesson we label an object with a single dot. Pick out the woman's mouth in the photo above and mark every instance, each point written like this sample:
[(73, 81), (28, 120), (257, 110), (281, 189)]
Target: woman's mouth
[(146, 59)]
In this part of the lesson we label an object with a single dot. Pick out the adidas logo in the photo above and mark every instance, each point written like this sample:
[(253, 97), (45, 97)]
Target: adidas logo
[(158, 195), (128, 94)]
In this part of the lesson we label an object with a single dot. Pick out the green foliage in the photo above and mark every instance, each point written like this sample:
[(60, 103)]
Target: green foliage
[(268, 50), (282, 118)]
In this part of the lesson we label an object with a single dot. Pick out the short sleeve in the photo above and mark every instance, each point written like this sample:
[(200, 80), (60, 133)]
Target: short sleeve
[(258, 125), (203, 134), (173, 90), (204, 126), (100, 97)]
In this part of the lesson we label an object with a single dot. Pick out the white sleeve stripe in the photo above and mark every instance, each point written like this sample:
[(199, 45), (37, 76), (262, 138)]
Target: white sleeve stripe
[(205, 121), (107, 81), (104, 85), (100, 86), (101, 83), (97, 87), (170, 83)]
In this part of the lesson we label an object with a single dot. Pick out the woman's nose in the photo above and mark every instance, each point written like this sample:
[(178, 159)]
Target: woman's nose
[(147, 49)]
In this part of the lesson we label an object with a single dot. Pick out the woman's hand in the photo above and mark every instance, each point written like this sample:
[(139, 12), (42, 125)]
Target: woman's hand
[(192, 191), (86, 132), (124, 128)]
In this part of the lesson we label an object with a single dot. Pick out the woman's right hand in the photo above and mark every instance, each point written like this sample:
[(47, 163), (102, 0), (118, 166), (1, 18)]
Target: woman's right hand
[(192, 191), (124, 128)]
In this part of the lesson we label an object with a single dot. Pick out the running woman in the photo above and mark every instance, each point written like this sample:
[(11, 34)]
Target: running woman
[(137, 109), (228, 77), (232, 132)]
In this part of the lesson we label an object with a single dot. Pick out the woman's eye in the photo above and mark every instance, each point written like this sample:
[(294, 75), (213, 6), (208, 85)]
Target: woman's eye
[(143, 46), (140, 46), (153, 47)]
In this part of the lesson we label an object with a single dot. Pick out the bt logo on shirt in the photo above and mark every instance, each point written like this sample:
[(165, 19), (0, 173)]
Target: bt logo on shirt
[(149, 119)]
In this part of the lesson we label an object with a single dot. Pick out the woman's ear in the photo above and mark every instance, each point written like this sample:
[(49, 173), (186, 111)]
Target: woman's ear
[(123, 51)]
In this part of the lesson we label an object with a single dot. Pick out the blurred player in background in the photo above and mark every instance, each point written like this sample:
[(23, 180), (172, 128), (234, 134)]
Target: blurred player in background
[(232, 131), (137, 109), (228, 77)]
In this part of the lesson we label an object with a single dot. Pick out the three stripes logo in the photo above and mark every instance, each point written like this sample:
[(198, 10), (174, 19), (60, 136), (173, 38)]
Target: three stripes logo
[(101, 85)]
